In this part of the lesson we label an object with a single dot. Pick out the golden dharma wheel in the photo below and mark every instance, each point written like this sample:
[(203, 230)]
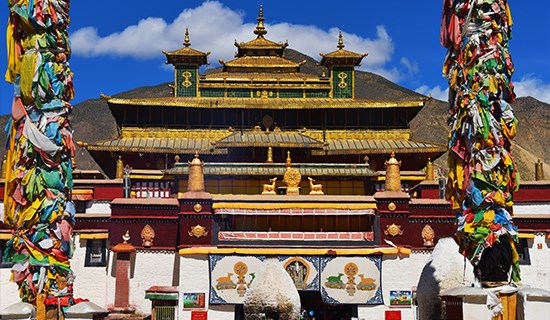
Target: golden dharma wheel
[(292, 177), (240, 268), (351, 269)]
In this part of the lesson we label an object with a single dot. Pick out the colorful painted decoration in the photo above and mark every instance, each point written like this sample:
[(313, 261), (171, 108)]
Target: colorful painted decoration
[(303, 271), (231, 276), (351, 280), (40, 146), (482, 173)]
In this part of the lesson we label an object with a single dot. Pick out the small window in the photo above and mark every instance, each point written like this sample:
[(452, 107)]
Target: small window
[(3, 262), (96, 253), (523, 251)]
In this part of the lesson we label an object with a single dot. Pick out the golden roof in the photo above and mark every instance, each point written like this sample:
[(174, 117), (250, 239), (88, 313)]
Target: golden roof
[(341, 56), (269, 139), (186, 53), (159, 140), (264, 77), (278, 169), (261, 43), (262, 62), (377, 146), (261, 103)]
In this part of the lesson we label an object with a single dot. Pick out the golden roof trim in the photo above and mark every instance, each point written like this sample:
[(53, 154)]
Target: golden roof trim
[(137, 132), (273, 86), (261, 62), (186, 51), (290, 205), (294, 251), (274, 103)]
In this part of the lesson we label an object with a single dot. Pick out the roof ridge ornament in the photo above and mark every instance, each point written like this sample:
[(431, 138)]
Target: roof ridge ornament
[(260, 28), (340, 45), (186, 41)]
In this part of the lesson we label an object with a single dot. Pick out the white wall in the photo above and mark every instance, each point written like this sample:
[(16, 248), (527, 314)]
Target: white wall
[(537, 274), (96, 206)]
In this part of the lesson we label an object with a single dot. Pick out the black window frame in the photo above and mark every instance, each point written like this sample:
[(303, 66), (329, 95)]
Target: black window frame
[(91, 244), (522, 247)]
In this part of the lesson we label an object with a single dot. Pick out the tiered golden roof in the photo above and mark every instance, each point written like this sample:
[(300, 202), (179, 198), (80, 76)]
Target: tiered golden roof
[(260, 45), (186, 54), (341, 56)]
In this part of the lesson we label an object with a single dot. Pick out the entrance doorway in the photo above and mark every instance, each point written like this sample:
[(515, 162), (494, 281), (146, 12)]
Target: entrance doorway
[(312, 301)]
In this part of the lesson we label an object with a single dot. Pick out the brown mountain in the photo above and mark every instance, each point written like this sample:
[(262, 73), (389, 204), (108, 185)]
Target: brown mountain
[(92, 120)]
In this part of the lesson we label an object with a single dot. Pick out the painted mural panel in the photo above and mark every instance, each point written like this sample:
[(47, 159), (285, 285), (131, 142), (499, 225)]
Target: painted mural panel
[(304, 271), (351, 280), (231, 276)]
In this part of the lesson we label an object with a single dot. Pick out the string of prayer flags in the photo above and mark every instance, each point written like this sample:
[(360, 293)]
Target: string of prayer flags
[(483, 176)]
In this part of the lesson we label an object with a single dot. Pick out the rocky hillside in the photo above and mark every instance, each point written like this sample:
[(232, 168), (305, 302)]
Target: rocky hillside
[(92, 120)]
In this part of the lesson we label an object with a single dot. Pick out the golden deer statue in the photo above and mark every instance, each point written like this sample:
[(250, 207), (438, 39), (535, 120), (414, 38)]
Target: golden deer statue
[(315, 188), (269, 188)]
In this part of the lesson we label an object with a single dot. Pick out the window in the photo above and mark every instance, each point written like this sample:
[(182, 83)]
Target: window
[(96, 253), (4, 263), (523, 251)]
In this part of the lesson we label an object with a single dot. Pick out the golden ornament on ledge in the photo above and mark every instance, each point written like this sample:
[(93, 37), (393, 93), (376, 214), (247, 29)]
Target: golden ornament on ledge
[(147, 236), (198, 231), (269, 188), (393, 230)]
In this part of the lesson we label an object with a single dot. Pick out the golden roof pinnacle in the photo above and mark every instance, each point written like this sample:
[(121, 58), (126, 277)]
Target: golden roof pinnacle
[(340, 45), (186, 42), (260, 28)]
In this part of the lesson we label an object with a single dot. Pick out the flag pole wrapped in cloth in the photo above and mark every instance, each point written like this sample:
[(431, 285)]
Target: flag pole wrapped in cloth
[(37, 200), (482, 176)]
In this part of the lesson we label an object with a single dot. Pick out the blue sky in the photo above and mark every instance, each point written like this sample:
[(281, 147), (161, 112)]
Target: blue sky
[(117, 44)]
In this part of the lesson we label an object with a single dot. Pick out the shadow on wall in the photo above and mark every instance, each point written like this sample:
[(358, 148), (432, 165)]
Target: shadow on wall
[(446, 269)]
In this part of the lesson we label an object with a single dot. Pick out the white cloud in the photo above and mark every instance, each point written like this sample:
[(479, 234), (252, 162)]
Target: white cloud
[(534, 87), (412, 66), (213, 26), (436, 92)]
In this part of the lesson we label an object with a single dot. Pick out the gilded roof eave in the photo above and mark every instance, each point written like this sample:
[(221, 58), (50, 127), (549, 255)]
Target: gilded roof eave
[(269, 139), (261, 62), (341, 55), (186, 53), (261, 103), (278, 169)]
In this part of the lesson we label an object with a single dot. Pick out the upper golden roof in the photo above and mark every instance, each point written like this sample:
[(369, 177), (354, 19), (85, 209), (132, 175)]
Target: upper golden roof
[(341, 56), (186, 54), (260, 45), (262, 62)]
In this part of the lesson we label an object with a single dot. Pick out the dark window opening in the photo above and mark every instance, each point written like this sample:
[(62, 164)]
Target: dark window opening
[(522, 246), (96, 253), (3, 262)]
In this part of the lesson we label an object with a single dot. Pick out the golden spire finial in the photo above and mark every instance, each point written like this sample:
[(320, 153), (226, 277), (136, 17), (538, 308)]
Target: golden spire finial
[(269, 155), (288, 163), (340, 41), (186, 41), (260, 29), (196, 175), (393, 174), (430, 173), (119, 173)]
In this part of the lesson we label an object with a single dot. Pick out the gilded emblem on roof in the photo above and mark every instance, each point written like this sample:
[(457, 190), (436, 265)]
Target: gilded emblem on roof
[(292, 178), (393, 230), (198, 231), (342, 75), (186, 76)]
